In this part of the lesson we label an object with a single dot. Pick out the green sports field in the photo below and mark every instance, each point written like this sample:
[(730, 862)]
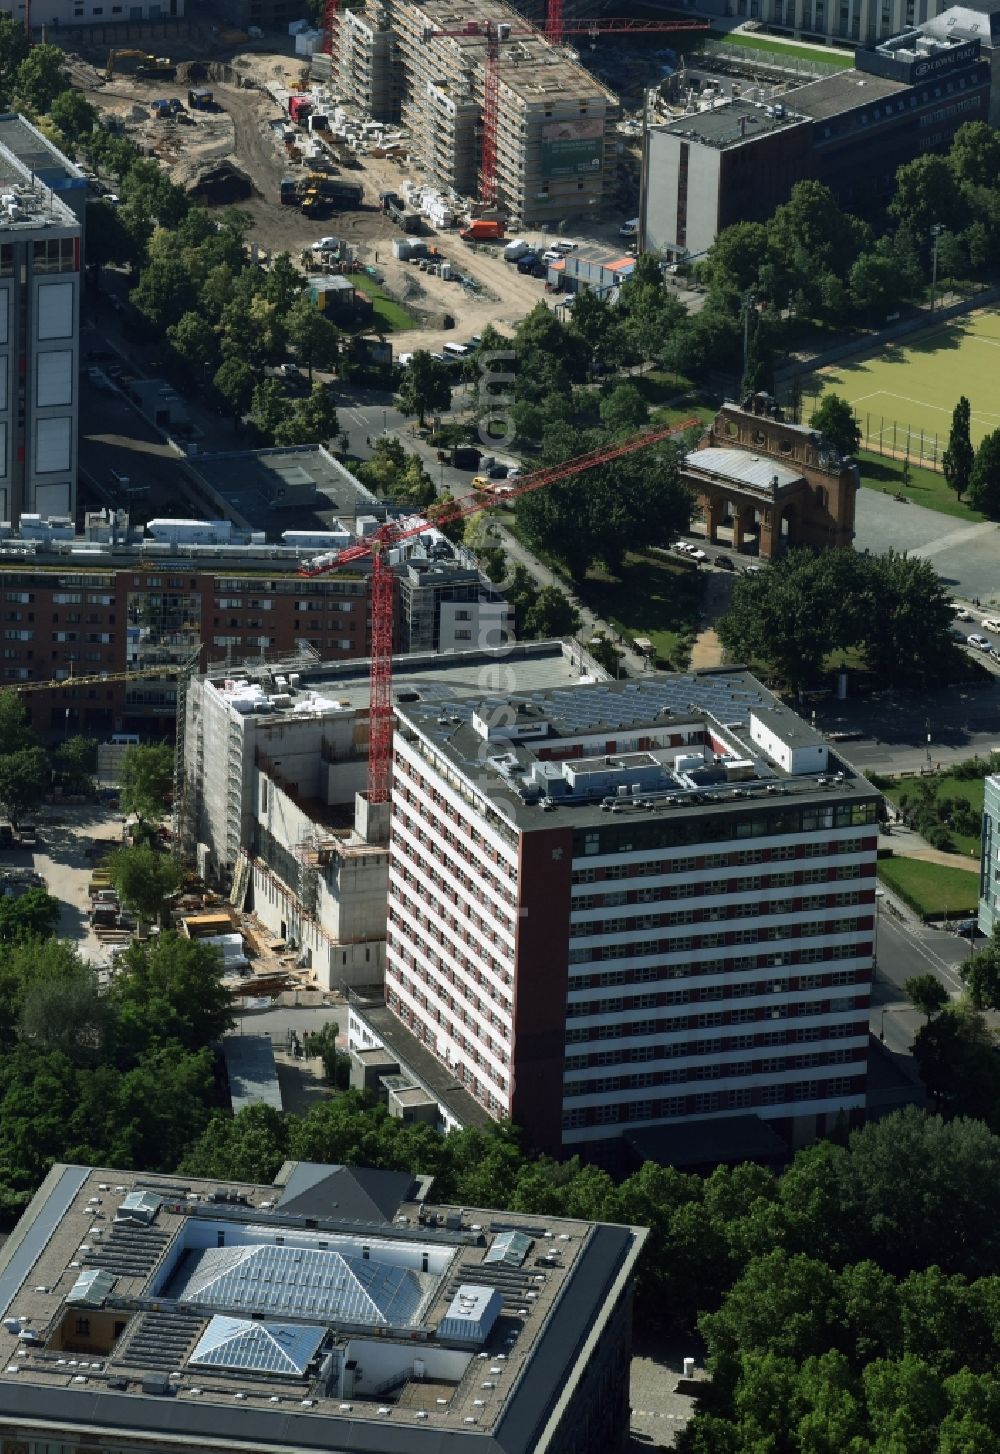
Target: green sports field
[(903, 394)]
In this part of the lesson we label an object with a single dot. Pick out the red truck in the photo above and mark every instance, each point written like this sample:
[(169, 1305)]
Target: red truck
[(482, 230), (299, 108)]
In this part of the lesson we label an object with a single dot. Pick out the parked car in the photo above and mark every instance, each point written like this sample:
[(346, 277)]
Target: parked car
[(696, 553), (724, 563), (990, 623), (961, 614), (968, 928), (682, 546), (981, 643)]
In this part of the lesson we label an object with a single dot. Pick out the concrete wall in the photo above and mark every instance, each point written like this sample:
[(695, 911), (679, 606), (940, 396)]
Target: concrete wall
[(661, 232)]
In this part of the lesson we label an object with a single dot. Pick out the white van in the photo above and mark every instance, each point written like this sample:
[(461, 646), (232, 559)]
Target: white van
[(456, 350)]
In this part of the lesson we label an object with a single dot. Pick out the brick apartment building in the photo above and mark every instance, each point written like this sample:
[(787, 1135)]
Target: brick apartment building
[(60, 621), (617, 908)]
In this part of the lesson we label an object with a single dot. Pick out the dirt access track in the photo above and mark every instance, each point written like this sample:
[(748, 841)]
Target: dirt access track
[(240, 132)]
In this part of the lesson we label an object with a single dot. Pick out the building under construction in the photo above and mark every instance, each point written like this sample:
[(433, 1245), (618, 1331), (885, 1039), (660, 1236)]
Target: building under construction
[(421, 63)]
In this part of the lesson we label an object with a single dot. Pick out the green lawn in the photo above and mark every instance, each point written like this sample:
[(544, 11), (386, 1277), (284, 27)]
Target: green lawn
[(658, 385), (838, 59), (652, 596), (931, 889), (903, 394), (660, 417), (926, 487), (946, 785), (393, 315)]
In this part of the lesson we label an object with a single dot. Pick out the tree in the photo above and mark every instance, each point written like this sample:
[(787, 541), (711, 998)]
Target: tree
[(425, 385), (63, 1010), (144, 879), (758, 371), (32, 915), (195, 342), (250, 1146), (834, 419), (981, 974), (40, 77), (958, 1063), (74, 115), (170, 988), (14, 47), (145, 779), (623, 409), (109, 241), (24, 777), (315, 339), (927, 993), (984, 480), (16, 732), (270, 407), (336, 1063), (959, 457), (927, 194), (234, 383), (76, 760), (165, 291), (974, 156), (552, 614), (313, 421)]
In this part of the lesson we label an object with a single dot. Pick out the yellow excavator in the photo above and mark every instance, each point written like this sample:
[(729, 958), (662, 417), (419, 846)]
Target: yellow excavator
[(149, 67)]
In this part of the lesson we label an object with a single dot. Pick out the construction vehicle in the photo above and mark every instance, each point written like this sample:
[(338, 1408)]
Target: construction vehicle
[(483, 229), (378, 548), (393, 206), (320, 194), (149, 66), (202, 99), (299, 109)]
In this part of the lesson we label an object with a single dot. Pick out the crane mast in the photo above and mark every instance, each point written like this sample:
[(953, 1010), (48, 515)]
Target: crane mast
[(393, 533)]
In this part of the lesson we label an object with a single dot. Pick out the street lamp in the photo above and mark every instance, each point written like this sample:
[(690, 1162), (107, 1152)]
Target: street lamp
[(936, 232)]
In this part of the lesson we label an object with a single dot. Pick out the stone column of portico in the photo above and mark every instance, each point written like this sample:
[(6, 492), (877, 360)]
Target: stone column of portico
[(714, 510), (768, 523)]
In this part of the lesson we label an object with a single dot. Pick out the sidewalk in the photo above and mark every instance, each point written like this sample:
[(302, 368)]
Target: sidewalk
[(906, 843), (632, 663)]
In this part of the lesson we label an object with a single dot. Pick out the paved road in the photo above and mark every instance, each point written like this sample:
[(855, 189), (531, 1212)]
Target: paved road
[(963, 552), (907, 948)]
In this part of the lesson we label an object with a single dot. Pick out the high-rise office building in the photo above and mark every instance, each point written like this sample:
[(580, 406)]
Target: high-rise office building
[(622, 906), (40, 243)]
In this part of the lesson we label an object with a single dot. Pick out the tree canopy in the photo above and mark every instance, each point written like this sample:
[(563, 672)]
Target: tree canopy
[(894, 608), (146, 778)]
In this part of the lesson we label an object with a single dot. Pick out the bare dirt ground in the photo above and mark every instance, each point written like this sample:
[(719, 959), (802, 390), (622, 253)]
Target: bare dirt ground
[(240, 133)]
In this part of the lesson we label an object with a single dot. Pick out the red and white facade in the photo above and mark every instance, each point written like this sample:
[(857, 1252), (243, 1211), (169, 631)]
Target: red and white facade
[(668, 956)]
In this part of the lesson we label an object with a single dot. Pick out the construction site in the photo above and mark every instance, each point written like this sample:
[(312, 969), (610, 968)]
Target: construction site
[(486, 115)]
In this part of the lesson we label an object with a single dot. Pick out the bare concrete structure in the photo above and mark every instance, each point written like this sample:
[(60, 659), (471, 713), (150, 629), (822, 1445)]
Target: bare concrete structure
[(275, 763), (556, 155)]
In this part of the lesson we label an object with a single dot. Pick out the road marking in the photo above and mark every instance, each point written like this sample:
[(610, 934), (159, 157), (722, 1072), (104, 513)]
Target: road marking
[(960, 536), (947, 971)]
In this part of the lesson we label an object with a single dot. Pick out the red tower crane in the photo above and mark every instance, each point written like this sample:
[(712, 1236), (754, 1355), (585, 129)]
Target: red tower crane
[(378, 546), (556, 30)]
